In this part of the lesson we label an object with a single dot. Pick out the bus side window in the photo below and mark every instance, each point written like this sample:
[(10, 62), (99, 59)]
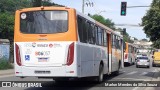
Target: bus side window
[(80, 28), (113, 41), (90, 33), (124, 46), (118, 43), (96, 34), (105, 38), (85, 31), (93, 34), (99, 36), (102, 30)]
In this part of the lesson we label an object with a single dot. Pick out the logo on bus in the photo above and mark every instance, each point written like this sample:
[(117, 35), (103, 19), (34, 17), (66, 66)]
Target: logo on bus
[(42, 53), (23, 16), (50, 45), (27, 57), (42, 45), (33, 44)]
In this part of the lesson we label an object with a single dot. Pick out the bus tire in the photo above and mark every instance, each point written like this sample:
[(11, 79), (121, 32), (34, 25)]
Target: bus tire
[(100, 76), (133, 63), (117, 72), (60, 80)]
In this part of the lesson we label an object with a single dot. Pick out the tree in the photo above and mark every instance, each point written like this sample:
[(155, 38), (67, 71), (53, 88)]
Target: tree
[(12, 5), (107, 22), (38, 3), (135, 38), (144, 40), (6, 25), (126, 36), (151, 22)]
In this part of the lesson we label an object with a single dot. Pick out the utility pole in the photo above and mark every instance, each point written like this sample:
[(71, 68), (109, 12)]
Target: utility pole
[(88, 4), (83, 6)]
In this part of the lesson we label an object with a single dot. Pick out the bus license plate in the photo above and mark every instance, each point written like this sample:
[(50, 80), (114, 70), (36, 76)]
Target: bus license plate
[(43, 59)]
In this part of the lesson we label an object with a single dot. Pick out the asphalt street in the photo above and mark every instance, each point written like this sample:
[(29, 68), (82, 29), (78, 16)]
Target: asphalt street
[(129, 73)]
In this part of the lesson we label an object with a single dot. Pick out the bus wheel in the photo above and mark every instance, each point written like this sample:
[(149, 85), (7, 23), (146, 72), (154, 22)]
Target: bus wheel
[(117, 72), (60, 80), (137, 66), (100, 77)]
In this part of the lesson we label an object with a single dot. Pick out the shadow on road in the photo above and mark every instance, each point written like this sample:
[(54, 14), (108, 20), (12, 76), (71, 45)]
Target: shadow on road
[(81, 84)]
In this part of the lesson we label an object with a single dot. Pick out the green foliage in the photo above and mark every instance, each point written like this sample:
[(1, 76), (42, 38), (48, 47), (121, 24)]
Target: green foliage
[(110, 24), (12, 5), (37, 3), (126, 36), (4, 64), (106, 22), (144, 40), (151, 23), (6, 25)]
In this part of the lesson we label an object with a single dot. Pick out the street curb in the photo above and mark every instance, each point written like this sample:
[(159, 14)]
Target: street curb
[(6, 72)]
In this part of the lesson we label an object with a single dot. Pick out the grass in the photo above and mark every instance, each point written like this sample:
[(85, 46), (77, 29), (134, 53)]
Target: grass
[(4, 64)]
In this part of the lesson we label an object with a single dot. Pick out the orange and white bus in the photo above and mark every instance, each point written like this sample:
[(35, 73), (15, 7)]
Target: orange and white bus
[(60, 42), (130, 54)]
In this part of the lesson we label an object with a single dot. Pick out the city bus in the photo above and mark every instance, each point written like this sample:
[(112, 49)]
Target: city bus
[(62, 43), (130, 54)]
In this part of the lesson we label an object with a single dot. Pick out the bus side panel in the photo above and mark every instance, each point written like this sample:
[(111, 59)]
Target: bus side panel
[(86, 59), (115, 60), (89, 56)]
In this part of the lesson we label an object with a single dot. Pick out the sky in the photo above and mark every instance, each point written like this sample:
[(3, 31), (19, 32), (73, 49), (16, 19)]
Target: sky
[(111, 9)]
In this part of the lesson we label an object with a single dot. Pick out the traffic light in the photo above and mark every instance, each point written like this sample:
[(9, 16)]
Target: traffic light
[(123, 8)]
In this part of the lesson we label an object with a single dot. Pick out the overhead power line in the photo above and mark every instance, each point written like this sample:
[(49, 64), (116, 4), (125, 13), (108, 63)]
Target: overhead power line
[(133, 25)]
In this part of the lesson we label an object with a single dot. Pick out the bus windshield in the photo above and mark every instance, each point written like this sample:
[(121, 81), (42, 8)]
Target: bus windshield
[(43, 22)]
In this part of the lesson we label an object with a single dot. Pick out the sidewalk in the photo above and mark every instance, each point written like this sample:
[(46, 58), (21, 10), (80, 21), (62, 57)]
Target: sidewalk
[(6, 72)]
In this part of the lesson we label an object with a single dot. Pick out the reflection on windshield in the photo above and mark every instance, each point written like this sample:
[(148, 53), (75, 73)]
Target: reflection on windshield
[(39, 22)]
